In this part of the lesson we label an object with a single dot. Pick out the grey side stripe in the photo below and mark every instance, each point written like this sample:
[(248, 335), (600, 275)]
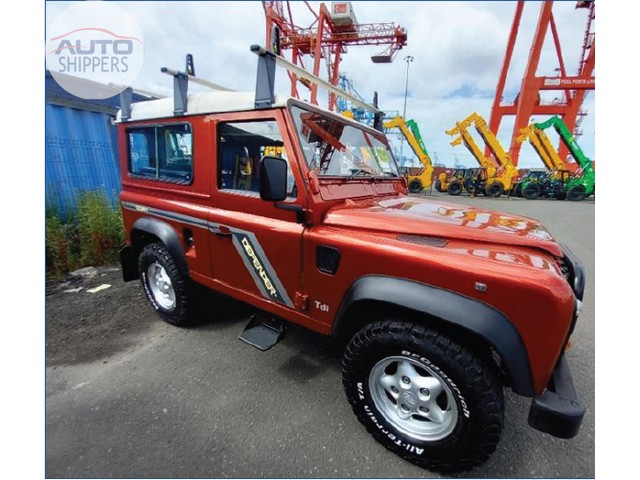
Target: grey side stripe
[(247, 245), (197, 222)]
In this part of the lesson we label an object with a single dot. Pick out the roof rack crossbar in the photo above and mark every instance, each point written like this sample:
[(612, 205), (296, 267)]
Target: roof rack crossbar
[(181, 85), (264, 83)]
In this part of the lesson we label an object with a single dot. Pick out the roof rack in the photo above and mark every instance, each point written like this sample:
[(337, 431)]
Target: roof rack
[(265, 83)]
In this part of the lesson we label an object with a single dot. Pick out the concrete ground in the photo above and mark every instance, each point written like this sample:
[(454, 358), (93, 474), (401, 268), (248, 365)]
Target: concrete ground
[(130, 396)]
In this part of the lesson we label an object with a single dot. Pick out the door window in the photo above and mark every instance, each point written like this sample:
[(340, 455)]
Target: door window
[(241, 145)]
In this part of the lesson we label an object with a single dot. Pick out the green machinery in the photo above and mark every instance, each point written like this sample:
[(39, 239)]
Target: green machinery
[(421, 177), (559, 183)]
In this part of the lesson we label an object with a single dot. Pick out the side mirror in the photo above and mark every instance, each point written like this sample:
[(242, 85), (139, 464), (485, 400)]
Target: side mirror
[(273, 179)]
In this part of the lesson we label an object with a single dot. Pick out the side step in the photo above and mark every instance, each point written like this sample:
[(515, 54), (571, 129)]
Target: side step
[(263, 333)]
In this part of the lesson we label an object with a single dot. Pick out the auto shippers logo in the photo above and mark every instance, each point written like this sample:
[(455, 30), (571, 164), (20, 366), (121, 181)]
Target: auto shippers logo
[(94, 49)]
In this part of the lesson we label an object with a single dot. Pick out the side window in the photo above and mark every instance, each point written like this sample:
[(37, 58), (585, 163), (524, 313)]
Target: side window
[(142, 152), (163, 152), (241, 145)]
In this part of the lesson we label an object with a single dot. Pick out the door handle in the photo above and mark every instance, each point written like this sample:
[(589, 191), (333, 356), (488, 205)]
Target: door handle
[(222, 231)]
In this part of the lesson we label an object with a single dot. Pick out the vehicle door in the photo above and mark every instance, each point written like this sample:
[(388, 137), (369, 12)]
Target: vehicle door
[(256, 245)]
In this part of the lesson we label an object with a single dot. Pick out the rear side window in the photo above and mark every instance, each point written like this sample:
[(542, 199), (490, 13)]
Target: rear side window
[(162, 152)]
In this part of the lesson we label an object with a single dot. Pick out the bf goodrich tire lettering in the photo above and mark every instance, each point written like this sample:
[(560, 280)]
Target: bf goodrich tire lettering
[(467, 412)]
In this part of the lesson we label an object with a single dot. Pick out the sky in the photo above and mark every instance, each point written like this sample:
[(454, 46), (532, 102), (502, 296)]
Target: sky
[(458, 50)]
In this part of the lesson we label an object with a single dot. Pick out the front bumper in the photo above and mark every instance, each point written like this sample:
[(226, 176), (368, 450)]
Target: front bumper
[(558, 411)]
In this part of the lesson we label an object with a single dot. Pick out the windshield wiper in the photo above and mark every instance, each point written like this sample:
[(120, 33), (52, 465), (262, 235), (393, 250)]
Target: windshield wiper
[(356, 172)]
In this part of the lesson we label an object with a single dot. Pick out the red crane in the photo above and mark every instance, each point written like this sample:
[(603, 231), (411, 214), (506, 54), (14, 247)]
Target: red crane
[(327, 38), (574, 87)]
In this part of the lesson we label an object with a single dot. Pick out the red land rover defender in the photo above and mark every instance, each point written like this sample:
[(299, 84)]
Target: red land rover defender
[(302, 213)]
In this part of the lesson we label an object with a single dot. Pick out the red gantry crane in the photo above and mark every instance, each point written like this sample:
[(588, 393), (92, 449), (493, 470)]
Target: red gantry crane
[(326, 38), (574, 87)]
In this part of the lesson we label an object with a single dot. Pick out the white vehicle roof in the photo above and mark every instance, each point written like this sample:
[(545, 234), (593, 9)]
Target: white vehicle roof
[(198, 103)]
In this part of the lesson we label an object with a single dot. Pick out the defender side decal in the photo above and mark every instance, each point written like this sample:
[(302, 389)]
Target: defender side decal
[(258, 266)]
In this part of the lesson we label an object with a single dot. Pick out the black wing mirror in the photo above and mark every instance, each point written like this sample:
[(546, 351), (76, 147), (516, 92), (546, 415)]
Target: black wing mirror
[(273, 179)]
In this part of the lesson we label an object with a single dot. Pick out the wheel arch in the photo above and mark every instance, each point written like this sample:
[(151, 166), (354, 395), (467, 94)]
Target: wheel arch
[(471, 321), (148, 230)]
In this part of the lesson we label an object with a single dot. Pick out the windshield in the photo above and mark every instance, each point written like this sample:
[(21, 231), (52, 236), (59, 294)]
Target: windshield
[(335, 148)]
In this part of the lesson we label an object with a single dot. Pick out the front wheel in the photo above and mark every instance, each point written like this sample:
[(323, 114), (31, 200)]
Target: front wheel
[(455, 188), (415, 186), (423, 396), (577, 193), (438, 186), (517, 190), (531, 191), (494, 190)]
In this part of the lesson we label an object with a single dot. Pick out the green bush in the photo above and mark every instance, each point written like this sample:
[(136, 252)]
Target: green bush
[(91, 235), (101, 229), (61, 256)]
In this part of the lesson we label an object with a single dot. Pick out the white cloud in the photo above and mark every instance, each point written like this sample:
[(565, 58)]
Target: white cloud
[(458, 49)]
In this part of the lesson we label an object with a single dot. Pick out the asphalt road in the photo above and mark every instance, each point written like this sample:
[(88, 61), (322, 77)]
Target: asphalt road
[(130, 396)]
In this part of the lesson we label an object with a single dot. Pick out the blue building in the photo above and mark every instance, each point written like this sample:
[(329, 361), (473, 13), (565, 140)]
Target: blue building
[(80, 147)]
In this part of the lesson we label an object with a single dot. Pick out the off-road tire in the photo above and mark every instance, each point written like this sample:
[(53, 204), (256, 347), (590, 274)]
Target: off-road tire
[(494, 190), (531, 191), (415, 186), (153, 256), (577, 193), (517, 190), (455, 188), (438, 186), (473, 389)]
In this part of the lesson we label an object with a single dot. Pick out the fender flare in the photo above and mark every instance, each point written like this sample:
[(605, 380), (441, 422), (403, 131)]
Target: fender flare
[(474, 316), (167, 235)]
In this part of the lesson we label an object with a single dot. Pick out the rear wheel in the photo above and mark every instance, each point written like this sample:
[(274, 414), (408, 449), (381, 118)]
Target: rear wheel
[(531, 191), (576, 193), (562, 195), (494, 190), (517, 190), (438, 186), (166, 288), (455, 188), (415, 186), (423, 396)]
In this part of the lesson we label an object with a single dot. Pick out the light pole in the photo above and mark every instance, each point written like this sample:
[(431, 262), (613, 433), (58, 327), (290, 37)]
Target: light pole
[(407, 59)]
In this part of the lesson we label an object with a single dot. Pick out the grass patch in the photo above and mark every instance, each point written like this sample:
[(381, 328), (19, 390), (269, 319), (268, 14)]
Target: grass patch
[(91, 235)]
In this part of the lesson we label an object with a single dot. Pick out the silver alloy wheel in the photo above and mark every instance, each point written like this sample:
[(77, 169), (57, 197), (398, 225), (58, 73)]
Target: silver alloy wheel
[(413, 398), (161, 286)]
